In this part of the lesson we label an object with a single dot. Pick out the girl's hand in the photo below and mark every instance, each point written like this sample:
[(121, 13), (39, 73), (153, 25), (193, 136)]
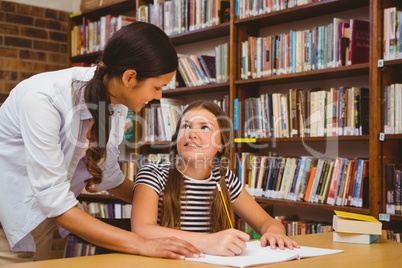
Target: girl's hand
[(169, 247), (282, 241), (229, 242)]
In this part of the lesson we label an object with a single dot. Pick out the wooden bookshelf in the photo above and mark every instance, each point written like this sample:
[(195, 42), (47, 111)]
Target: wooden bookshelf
[(238, 30), (197, 90), (201, 34), (311, 205), (324, 74), (100, 198), (301, 12)]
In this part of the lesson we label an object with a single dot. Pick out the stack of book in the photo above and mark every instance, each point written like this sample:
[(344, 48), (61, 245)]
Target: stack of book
[(355, 228)]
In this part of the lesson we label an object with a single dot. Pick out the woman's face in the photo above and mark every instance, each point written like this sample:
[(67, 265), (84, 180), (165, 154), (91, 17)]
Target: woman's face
[(199, 136), (135, 94)]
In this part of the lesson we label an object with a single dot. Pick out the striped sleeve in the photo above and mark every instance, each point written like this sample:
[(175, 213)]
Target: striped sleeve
[(234, 185), (153, 175)]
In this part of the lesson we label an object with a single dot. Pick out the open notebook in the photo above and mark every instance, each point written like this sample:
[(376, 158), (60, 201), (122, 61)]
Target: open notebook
[(254, 254)]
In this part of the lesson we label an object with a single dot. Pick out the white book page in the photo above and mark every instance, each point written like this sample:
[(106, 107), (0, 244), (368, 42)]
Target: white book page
[(254, 254)]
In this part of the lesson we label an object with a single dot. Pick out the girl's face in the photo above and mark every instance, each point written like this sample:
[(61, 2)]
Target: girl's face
[(199, 136), (136, 94)]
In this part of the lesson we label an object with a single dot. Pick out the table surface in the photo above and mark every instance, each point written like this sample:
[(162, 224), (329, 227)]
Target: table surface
[(382, 253)]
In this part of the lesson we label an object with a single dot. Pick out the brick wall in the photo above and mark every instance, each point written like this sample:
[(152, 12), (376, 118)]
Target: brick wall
[(32, 40)]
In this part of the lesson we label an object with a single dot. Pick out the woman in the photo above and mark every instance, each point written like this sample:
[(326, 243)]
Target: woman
[(59, 133)]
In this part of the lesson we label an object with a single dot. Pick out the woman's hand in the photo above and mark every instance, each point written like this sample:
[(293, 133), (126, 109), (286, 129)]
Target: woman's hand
[(282, 241), (229, 242), (169, 247)]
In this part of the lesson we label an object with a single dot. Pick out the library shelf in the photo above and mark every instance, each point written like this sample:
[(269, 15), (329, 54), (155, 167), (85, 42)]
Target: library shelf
[(99, 198), (393, 63), (309, 139), (396, 217), (197, 90), (114, 9), (301, 12), (89, 57), (323, 74), (211, 32), (274, 201), (393, 137)]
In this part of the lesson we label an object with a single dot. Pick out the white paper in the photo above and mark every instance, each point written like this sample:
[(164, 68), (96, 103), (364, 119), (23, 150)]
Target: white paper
[(254, 254)]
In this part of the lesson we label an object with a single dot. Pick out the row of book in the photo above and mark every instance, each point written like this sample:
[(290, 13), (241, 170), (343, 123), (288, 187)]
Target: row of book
[(292, 225), (392, 33), (341, 43), (338, 181), (197, 70), (307, 113), (179, 16), (247, 8), (92, 35), (161, 119), (106, 210), (393, 174), (76, 247), (393, 235), (393, 109)]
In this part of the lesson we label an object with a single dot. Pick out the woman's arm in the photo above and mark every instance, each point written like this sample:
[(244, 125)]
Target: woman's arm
[(108, 236), (272, 231), (144, 218), (124, 191)]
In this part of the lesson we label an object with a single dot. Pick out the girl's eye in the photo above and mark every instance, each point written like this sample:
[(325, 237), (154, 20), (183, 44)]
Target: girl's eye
[(158, 88), (205, 128), (185, 126)]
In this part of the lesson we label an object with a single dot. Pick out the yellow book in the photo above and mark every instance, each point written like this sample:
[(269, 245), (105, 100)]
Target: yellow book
[(347, 222)]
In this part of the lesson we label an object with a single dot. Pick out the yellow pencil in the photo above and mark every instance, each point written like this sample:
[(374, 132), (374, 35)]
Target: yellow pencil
[(224, 204)]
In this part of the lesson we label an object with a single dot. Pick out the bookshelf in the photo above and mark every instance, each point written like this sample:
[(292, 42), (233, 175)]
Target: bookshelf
[(367, 75), (366, 145), (383, 76)]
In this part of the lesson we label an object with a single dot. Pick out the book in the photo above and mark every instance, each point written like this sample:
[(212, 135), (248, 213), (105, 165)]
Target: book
[(129, 126), (359, 41), (354, 238), (347, 222), (254, 254)]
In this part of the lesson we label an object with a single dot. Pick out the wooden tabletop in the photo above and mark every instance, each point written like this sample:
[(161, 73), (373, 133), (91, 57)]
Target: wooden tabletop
[(382, 253)]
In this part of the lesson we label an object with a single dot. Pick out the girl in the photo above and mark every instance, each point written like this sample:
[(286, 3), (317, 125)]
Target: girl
[(181, 198), (45, 160)]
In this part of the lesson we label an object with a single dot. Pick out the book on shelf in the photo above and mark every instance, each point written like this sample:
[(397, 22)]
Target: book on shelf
[(129, 126), (338, 181), (354, 238), (359, 41), (308, 113), (347, 222), (393, 188)]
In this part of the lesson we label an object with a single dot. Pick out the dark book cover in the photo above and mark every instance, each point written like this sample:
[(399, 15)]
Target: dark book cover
[(208, 63), (359, 41), (364, 111)]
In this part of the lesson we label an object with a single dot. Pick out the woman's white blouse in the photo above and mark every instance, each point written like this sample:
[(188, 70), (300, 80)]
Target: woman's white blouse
[(43, 126)]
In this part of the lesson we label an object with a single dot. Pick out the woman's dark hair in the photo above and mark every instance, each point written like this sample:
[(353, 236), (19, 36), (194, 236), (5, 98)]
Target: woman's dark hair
[(139, 46), (174, 188)]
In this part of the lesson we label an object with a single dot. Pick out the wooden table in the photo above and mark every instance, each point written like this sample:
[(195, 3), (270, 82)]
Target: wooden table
[(382, 253)]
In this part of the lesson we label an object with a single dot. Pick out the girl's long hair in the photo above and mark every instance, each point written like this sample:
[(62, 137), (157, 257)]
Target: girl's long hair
[(138, 46), (174, 188)]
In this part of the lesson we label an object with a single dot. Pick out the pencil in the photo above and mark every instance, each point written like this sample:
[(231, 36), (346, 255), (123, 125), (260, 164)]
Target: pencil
[(224, 205)]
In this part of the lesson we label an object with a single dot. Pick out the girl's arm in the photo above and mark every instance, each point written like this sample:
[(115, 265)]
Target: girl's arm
[(124, 191), (272, 231), (108, 236), (144, 218)]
